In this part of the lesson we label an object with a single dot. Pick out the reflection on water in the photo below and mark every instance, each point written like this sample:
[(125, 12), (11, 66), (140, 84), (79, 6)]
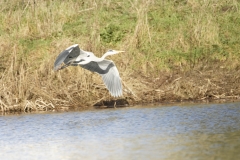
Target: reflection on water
[(209, 131)]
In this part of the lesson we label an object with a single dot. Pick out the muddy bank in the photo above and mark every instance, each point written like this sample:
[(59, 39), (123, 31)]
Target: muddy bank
[(194, 85)]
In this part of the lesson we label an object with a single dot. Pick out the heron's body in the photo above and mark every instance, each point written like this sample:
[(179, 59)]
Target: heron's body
[(74, 56)]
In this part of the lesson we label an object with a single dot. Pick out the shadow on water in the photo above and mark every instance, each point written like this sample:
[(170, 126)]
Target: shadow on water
[(186, 131)]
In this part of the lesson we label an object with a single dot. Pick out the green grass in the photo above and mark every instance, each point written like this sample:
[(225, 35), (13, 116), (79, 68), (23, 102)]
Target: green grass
[(156, 35)]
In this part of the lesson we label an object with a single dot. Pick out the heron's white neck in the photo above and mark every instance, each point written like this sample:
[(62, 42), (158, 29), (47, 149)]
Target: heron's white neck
[(108, 54)]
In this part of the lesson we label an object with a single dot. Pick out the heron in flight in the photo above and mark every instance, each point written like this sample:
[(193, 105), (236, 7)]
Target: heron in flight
[(74, 56)]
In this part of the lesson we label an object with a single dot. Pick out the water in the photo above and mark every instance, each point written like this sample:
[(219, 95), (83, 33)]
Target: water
[(195, 131)]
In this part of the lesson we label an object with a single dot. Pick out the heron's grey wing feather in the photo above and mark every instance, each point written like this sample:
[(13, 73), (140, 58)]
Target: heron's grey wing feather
[(73, 54), (111, 78), (109, 73), (66, 56), (99, 67), (112, 81), (61, 57)]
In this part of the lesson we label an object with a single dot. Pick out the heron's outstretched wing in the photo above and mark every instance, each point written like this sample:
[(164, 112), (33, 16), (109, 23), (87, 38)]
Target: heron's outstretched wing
[(109, 73), (100, 67), (67, 56), (113, 81)]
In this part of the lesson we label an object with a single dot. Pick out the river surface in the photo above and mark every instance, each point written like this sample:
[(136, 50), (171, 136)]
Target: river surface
[(180, 131)]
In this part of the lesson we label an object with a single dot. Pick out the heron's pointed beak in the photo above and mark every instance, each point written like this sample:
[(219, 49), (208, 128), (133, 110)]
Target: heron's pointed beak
[(120, 51)]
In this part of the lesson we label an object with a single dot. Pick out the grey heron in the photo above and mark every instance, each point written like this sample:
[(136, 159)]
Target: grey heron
[(74, 56)]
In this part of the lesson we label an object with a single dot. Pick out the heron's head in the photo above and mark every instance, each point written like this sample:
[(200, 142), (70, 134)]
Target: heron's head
[(67, 57)]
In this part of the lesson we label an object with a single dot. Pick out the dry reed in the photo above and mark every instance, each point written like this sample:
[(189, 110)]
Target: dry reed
[(164, 41)]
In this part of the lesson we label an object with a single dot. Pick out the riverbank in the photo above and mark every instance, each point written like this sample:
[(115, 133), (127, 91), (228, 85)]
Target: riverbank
[(175, 51), (210, 84)]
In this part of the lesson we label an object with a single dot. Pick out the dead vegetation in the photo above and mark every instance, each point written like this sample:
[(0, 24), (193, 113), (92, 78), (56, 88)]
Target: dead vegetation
[(194, 85), (175, 51), (75, 87)]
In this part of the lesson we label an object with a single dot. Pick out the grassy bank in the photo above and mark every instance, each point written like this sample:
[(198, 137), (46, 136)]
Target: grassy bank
[(175, 50)]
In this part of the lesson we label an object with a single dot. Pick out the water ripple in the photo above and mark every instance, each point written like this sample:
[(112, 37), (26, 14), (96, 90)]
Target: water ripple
[(166, 132)]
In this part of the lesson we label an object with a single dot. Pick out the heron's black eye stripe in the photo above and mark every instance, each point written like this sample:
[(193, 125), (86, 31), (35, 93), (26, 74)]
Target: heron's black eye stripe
[(88, 55)]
